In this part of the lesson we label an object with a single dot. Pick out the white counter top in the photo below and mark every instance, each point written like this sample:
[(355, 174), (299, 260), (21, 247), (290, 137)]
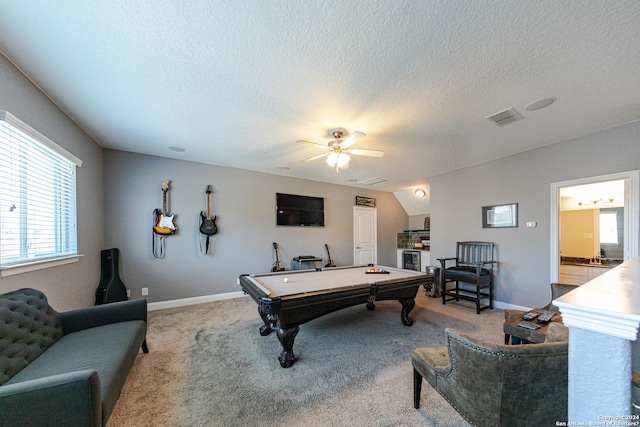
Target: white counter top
[(608, 304)]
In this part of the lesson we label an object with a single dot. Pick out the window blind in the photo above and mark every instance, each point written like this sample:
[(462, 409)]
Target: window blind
[(37, 196)]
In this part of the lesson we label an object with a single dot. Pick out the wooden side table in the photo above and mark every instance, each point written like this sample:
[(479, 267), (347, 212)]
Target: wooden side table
[(518, 334)]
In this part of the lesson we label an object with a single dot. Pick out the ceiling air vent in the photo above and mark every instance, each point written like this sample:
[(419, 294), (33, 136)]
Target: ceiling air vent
[(506, 117), (372, 181)]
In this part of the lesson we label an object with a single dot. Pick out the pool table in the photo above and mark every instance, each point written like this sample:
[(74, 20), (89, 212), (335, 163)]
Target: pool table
[(287, 299)]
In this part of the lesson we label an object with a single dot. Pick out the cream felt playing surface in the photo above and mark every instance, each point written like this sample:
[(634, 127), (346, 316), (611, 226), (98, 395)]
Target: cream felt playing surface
[(304, 281)]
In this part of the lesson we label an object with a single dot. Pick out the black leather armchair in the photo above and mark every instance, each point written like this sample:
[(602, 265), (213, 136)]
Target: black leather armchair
[(474, 266)]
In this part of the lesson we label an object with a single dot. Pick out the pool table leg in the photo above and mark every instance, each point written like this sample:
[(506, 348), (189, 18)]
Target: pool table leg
[(371, 305), (268, 320), (407, 306), (286, 338)]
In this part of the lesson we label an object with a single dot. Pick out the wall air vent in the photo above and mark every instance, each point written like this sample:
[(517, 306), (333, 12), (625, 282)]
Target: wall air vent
[(372, 181), (506, 117)]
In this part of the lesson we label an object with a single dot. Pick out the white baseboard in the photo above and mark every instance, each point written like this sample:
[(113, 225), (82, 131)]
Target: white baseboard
[(191, 301), (219, 297), (506, 305)]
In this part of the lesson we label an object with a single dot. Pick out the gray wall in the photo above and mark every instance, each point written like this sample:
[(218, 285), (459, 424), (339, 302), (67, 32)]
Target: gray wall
[(416, 222), (525, 178), (73, 285), (244, 203)]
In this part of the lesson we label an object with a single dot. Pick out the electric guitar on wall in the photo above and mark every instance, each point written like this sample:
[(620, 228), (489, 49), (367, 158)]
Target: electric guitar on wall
[(164, 221), (208, 224)]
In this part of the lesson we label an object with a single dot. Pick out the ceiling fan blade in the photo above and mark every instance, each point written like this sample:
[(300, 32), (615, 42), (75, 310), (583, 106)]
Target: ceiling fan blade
[(314, 143), (352, 139), (371, 153), (314, 157)]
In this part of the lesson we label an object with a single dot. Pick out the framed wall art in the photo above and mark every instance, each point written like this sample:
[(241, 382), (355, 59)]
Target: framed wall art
[(365, 201), (500, 216)]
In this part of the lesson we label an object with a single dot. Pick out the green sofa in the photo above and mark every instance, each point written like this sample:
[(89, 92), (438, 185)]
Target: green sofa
[(65, 368)]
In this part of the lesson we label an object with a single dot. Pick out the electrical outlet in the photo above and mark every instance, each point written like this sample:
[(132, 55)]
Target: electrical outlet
[(145, 291)]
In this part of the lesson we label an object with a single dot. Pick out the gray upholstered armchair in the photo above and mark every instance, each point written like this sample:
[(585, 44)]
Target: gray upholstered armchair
[(494, 384)]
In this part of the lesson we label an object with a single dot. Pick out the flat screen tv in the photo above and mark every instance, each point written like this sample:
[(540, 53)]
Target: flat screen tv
[(299, 211)]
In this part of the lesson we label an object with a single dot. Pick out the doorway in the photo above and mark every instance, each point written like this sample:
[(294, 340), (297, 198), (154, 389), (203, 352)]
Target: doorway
[(365, 235), (630, 217)]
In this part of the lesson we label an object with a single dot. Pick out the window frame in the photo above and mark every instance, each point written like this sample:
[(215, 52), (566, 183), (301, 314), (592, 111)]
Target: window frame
[(614, 223), (24, 263)]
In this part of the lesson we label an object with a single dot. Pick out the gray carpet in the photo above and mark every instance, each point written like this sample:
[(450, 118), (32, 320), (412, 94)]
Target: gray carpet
[(209, 366)]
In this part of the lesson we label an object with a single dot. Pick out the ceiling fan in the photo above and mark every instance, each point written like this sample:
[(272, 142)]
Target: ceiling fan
[(340, 152)]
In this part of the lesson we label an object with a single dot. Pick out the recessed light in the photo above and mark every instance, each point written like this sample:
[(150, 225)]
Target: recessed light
[(420, 192), (539, 104), (177, 149)]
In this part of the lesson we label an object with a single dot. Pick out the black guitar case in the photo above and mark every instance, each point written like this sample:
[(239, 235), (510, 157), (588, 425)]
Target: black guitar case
[(111, 288)]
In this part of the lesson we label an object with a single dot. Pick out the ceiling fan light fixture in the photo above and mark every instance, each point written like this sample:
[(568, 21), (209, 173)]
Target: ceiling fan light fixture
[(332, 159), (340, 150), (343, 159), (338, 160)]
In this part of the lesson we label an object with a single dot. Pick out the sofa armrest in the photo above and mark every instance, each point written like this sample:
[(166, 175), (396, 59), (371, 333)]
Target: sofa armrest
[(71, 399), (99, 315)]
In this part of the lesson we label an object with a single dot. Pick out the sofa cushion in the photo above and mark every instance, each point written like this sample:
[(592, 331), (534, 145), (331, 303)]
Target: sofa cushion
[(110, 350), (28, 326), (465, 273)]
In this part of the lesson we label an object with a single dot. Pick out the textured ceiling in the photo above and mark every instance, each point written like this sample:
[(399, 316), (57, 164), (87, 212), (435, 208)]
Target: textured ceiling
[(237, 82)]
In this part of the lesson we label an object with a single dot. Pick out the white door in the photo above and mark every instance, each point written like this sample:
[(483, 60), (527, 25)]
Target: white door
[(365, 235)]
